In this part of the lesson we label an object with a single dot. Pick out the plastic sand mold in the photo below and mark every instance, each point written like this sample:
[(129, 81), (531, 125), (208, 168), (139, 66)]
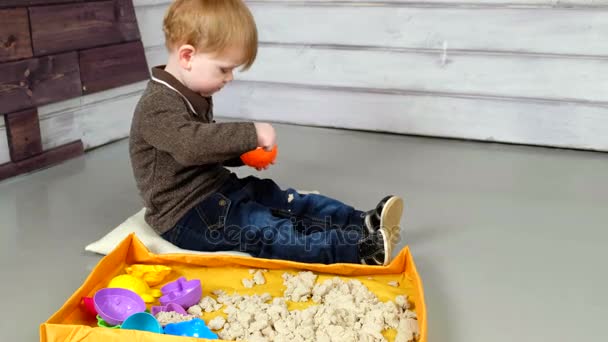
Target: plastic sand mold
[(72, 322)]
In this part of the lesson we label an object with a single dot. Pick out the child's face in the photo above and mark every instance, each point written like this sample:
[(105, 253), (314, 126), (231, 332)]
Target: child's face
[(210, 72)]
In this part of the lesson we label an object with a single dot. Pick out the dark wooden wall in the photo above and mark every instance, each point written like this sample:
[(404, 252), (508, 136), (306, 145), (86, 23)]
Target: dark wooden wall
[(53, 50)]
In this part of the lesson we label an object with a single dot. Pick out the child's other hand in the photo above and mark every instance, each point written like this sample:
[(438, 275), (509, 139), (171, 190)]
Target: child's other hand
[(267, 136)]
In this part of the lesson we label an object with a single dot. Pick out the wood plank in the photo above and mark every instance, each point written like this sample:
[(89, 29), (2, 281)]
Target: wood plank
[(5, 156), (569, 125), (464, 74), (127, 20), (46, 159), (517, 30), (80, 26), (443, 3), (553, 3), (23, 3), (33, 82), (438, 3), (112, 66), (14, 35), (561, 31), (23, 132), (571, 79)]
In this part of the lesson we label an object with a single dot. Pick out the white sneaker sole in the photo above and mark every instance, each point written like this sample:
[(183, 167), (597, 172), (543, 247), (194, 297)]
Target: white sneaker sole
[(388, 247), (390, 218)]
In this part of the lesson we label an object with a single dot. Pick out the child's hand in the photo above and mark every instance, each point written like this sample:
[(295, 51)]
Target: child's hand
[(267, 137)]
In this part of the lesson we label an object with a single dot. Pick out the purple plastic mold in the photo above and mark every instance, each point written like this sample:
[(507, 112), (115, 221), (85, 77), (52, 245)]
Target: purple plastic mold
[(114, 305), (183, 292)]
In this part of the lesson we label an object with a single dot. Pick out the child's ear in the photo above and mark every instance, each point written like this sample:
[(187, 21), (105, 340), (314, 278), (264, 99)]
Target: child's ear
[(185, 53)]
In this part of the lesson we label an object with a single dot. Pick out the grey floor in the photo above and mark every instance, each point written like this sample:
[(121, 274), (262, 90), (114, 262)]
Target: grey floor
[(510, 241)]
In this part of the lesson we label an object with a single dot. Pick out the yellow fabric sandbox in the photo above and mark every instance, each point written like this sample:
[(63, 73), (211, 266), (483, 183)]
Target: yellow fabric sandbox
[(72, 323)]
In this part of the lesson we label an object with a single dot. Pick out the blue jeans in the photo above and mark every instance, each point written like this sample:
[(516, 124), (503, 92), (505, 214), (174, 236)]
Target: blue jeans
[(255, 216)]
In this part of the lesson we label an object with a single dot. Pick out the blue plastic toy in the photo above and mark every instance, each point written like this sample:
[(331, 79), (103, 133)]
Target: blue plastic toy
[(142, 321), (193, 328)]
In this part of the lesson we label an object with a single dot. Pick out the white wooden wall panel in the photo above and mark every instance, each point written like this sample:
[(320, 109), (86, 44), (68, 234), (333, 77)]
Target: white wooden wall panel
[(96, 124), (4, 153), (488, 29), (96, 119), (463, 3), (475, 74), (442, 3), (503, 75), (156, 55), (559, 31), (455, 117), (115, 123)]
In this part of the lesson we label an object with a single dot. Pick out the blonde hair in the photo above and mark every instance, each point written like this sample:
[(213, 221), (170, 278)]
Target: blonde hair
[(212, 26)]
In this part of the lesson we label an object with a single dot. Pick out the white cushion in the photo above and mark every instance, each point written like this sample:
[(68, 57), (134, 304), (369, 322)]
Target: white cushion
[(148, 236)]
